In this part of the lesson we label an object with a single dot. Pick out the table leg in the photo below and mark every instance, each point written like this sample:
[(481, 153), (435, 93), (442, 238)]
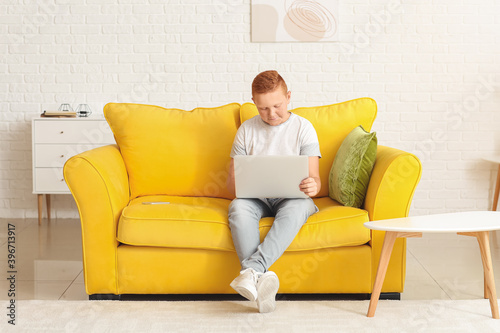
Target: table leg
[(497, 190), (485, 289), (483, 238), (47, 198), (385, 255), (40, 211), (484, 246)]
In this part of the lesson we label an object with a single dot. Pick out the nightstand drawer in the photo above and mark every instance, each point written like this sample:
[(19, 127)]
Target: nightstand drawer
[(92, 132), (53, 155), (50, 180)]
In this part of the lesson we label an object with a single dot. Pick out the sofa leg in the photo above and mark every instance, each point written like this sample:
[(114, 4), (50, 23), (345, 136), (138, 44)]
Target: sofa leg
[(104, 297), (391, 296)]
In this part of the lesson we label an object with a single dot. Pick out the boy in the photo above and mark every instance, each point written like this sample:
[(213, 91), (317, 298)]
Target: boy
[(275, 131)]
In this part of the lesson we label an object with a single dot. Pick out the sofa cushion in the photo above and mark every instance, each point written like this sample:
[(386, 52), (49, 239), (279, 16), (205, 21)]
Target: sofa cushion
[(332, 123), (352, 167), (187, 222), (196, 222), (172, 151)]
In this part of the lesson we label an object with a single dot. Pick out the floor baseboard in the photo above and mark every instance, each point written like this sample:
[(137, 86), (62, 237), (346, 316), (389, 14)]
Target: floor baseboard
[(235, 297)]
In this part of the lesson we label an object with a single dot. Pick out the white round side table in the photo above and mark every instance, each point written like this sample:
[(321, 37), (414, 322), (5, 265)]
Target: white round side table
[(477, 224)]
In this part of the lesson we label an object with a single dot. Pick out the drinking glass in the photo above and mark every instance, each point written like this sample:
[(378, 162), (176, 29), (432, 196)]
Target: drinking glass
[(65, 107)]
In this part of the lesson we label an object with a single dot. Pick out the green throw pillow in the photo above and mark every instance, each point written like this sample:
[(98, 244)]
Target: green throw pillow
[(352, 167)]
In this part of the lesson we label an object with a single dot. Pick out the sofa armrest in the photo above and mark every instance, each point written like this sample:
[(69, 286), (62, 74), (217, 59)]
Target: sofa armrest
[(98, 181), (393, 181), (392, 184)]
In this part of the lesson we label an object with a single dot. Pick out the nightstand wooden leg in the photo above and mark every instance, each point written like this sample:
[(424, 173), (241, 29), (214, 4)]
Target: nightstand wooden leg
[(47, 198), (40, 211), (497, 190)]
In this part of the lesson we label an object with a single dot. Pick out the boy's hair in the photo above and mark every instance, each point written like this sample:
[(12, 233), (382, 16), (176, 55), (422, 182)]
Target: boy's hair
[(267, 82)]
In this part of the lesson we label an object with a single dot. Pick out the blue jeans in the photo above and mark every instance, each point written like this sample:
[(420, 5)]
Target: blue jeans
[(244, 216)]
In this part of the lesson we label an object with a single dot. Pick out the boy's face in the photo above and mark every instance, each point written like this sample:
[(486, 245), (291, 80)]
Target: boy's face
[(273, 106)]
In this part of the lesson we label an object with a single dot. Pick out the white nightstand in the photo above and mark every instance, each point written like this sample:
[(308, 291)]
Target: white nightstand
[(55, 140)]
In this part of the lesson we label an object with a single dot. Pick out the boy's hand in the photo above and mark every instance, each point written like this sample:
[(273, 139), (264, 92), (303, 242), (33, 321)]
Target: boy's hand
[(309, 186)]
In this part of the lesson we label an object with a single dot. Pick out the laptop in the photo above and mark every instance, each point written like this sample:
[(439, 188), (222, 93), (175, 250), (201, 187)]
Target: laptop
[(270, 176)]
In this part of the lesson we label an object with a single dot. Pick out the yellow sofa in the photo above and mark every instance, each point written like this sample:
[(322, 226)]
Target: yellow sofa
[(185, 247)]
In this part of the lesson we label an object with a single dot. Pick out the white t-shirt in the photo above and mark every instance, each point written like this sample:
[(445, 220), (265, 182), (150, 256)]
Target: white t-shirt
[(296, 136)]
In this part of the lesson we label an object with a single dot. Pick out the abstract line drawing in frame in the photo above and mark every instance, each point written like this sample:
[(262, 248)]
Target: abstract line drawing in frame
[(295, 20)]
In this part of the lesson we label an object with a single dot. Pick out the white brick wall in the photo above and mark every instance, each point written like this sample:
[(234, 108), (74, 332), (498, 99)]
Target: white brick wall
[(432, 66)]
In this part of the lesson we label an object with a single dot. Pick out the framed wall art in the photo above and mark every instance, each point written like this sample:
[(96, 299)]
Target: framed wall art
[(294, 20)]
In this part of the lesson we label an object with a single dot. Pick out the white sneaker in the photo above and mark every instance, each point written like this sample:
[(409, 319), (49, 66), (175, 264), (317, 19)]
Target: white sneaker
[(267, 287), (245, 284)]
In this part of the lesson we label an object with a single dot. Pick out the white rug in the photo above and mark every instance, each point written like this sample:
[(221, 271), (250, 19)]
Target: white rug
[(238, 316)]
